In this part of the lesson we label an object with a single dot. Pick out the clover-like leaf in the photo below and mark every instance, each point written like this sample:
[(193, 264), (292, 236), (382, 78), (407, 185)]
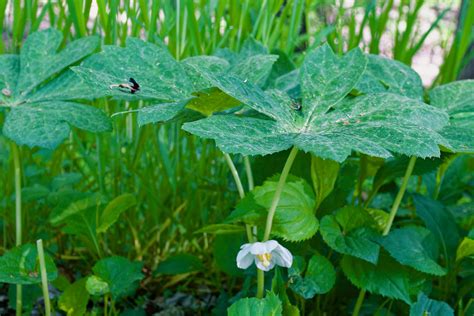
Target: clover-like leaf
[(415, 247), (351, 230), (39, 89), (457, 98), (20, 265), (326, 123), (387, 75)]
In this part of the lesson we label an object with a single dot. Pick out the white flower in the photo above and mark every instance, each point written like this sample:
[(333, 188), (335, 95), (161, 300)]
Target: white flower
[(264, 254)]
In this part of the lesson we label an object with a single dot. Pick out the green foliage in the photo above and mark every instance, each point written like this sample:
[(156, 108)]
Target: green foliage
[(294, 217), (40, 115), (317, 278), (270, 305), (20, 265), (351, 231), (427, 306), (75, 297), (179, 264), (324, 174), (374, 124), (115, 275), (113, 210)]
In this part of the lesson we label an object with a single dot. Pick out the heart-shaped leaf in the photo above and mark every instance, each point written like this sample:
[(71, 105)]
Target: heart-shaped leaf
[(351, 230), (38, 89), (373, 124), (457, 98)]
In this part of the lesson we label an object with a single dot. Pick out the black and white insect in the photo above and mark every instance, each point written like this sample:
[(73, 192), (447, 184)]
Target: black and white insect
[(132, 86)]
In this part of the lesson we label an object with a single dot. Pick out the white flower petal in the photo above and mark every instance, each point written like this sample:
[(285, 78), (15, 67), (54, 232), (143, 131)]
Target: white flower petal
[(270, 245), (244, 259), (282, 257), (258, 248)]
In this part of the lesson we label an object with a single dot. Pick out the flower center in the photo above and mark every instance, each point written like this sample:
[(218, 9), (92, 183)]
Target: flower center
[(265, 259)]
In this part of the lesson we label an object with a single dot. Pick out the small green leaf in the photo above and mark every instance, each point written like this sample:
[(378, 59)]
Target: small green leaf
[(415, 247), (351, 230), (179, 264), (225, 249), (121, 275), (465, 249), (160, 112), (428, 307), (457, 98), (319, 277), (269, 306), (47, 124), (75, 297), (20, 265), (324, 175), (96, 286), (387, 278), (113, 210)]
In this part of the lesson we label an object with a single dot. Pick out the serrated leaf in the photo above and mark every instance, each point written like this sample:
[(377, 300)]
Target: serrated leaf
[(270, 306), (47, 124), (294, 218), (457, 98), (317, 278), (179, 264), (415, 247), (74, 299), (39, 115), (160, 112), (20, 265), (121, 275), (351, 230), (387, 278), (387, 75), (113, 210), (426, 306), (376, 124)]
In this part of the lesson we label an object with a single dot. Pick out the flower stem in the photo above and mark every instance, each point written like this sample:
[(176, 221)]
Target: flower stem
[(240, 189), (260, 283), (388, 226), (44, 277), (279, 189), (18, 217), (248, 170)]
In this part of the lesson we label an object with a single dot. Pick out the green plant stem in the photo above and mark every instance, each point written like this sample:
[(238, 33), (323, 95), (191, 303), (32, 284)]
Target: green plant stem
[(260, 283), (279, 189), (393, 213), (248, 170), (18, 217), (399, 197), (44, 277), (240, 189)]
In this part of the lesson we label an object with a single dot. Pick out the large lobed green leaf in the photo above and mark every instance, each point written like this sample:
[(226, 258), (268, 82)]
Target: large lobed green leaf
[(457, 98), (36, 86), (269, 306), (329, 125)]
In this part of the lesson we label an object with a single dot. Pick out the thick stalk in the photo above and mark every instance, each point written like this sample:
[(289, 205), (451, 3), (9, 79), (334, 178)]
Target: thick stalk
[(18, 217), (279, 189), (44, 277), (260, 283), (388, 226)]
